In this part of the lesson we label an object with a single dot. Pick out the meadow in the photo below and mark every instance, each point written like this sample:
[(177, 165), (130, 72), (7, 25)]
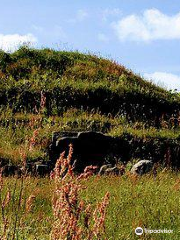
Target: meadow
[(150, 202), (42, 91)]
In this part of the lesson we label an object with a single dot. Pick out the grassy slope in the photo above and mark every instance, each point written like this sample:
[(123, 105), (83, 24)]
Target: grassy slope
[(71, 79), (83, 92)]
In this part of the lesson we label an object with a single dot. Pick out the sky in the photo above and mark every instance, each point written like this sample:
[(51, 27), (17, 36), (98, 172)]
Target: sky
[(142, 35)]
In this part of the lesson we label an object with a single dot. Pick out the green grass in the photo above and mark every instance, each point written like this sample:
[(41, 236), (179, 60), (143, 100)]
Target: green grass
[(83, 93), (16, 131), (149, 202), (88, 93), (83, 81)]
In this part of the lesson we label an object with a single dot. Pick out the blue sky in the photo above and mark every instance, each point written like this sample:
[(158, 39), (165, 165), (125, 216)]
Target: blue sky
[(143, 35)]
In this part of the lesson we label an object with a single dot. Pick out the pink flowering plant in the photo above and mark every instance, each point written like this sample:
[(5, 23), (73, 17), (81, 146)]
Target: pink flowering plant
[(73, 218)]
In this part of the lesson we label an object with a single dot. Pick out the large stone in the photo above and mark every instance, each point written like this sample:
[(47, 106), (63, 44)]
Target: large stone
[(11, 170), (112, 171), (142, 167), (104, 168), (89, 148), (42, 169)]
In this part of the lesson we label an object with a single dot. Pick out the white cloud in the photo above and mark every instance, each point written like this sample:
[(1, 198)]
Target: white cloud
[(151, 25), (110, 13), (168, 80), (12, 42), (102, 37)]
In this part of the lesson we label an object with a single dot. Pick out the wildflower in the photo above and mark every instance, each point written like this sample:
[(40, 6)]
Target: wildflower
[(29, 203), (43, 101), (99, 216), (6, 200), (69, 209), (24, 159), (1, 179), (33, 140), (52, 175)]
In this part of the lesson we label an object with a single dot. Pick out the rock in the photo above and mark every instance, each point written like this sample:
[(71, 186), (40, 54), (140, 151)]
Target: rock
[(42, 169), (3, 162), (58, 135), (39, 168), (91, 136), (104, 168), (142, 167), (109, 169), (10, 170), (30, 169), (113, 171), (89, 148), (62, 145)]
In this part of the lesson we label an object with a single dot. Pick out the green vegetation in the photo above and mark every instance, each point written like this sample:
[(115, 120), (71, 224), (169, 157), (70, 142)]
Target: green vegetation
[(42, 91), (150, 202), (74, 80), (69, 91)]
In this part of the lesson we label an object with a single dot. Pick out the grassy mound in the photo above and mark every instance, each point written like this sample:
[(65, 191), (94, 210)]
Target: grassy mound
[(53, 90), (74, 80)]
